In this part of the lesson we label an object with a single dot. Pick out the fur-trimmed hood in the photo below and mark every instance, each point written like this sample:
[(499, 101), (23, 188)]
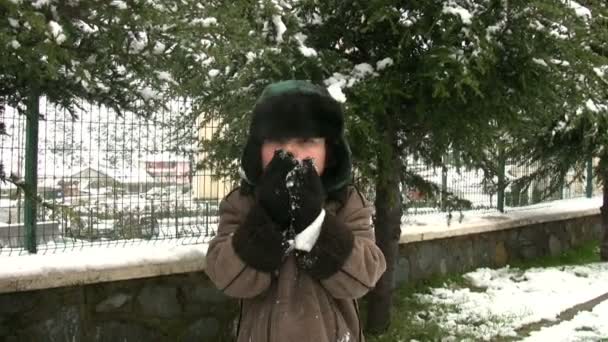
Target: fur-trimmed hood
[(297, 108)]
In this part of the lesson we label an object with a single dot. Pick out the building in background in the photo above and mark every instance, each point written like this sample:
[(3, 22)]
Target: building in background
[(206, 185), (168, 168), (101, 180)]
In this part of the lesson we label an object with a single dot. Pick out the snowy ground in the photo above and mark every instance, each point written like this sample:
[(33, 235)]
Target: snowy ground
[(506, 302), (585, 326)]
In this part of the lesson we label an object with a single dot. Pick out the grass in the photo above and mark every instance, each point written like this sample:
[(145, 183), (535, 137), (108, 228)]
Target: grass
[(585, 254), (410, 317)]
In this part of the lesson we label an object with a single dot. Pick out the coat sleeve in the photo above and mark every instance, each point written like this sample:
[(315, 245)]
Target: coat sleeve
[(365, 264), (223, 266)]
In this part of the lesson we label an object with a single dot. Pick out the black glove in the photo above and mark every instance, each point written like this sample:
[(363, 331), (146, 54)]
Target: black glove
[(271, 191), (259, 241), (307, 194), (334, 246)]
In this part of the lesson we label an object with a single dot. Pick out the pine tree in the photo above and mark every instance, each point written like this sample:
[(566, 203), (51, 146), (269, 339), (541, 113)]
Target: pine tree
[(419, 79), (576, 130)]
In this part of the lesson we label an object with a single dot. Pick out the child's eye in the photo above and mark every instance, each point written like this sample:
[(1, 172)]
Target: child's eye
[(279, 141), (308, 140)]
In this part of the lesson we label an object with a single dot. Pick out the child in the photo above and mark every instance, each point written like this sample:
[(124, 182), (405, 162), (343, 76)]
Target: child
[(295, 242)]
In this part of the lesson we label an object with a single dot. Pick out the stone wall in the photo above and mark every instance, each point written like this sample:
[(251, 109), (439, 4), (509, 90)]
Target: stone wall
[(460, 254), (187, 307), (183, 307)]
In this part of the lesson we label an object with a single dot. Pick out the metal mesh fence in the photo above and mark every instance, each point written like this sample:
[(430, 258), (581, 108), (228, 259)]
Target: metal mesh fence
[(108, 180), (572, 186), (123, 180), (472, 186), (465, 184)]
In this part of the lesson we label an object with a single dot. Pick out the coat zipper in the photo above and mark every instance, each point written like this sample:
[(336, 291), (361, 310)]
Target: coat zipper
[(336, 326), (269, 323), (359, 320), (269, 329), (238, 324)]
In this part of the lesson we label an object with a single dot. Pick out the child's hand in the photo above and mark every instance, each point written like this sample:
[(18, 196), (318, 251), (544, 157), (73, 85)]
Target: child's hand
[(308, 196), (271, 191)]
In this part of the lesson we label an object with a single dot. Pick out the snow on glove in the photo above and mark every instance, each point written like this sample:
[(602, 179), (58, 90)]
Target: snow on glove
[(307, 195), (323, 243), (271, 191)]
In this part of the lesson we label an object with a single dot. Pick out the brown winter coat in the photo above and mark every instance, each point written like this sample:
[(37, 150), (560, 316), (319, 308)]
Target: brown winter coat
[(290, 305)]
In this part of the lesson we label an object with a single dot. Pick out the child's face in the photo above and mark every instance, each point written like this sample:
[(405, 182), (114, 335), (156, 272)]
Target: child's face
[(301, 148)]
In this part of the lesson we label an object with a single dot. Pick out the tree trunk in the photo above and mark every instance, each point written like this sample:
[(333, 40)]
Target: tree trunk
[(389, 210), (604, 212)]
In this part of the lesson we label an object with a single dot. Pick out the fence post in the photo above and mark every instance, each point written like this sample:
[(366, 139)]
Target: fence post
[(444, 187), (176, 217), (500, 195), (31, 168), (152, 209), (19, 205), (206, 219), (589, 187)]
